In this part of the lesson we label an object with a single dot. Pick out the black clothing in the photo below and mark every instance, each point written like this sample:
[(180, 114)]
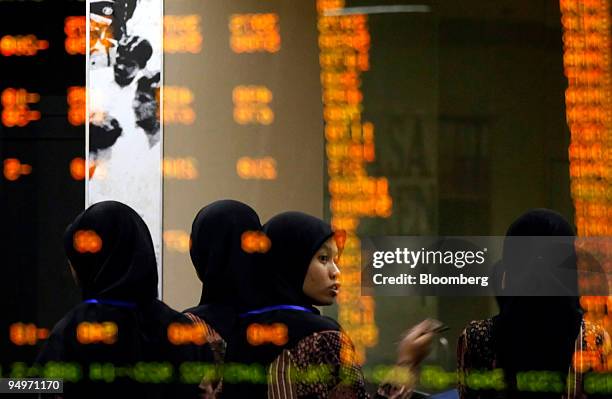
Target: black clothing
[(121, 325), (228, 273)]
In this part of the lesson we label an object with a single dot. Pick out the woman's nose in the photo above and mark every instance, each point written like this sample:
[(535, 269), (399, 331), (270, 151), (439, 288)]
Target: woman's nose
[(334, 271)]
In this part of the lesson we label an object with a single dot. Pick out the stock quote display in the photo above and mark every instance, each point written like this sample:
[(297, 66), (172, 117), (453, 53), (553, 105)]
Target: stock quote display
[(42, 150)]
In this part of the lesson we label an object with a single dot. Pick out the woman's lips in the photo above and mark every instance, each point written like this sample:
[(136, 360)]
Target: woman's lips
[(335, 288)]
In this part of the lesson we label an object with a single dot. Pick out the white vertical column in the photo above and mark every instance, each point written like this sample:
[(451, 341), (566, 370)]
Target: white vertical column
[(124, 144)]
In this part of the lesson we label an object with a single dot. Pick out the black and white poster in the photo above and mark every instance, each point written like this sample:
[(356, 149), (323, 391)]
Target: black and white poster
[(124, 81)]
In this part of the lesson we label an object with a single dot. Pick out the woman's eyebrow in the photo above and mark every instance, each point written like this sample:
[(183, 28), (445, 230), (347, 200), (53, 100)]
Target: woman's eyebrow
[(330, 249)]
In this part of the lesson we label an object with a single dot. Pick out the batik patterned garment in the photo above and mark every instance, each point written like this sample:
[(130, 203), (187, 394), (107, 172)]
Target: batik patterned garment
[(476, 352), (324, 365)]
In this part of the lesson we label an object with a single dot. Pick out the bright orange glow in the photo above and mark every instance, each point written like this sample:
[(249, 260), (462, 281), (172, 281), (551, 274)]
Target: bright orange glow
[(76, 99), (182, 34), (180, 168), (28, 45), (16, 111), (259, 334), (259, 169), (344, 43), (251, 94), (255, 241), (347, 223), (97, 333), (17, 97), (77, 168), (184, 334), (26, 334), (19, 116), (356, 151), (588, 68), (252, 105), (13, 169), (87, 241), (177, 240), (364, 186), (75, 30), (254, 33), (178, 105)]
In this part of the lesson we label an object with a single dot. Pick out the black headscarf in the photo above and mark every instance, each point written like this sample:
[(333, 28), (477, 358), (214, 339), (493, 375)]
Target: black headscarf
[(110, 249), (295, 239), (536, 333), (228, 272), (124, 267)]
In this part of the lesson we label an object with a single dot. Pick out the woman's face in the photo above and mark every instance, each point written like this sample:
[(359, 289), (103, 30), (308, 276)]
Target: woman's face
[(321, 282)]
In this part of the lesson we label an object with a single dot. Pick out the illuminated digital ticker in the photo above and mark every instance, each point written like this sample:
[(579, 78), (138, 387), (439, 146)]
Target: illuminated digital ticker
[(37, 44), (16, 104), (180, 168), (587, 66), (587, 44), (187, 334), (252, 105), (87, 241), (76, 99), (22, 45), (255, 241), (106, 333), (13, 169), (251, 241), (195, 372), (76, 35), (257, 168), (250, 33), (21, 334), (344, 43), (182, 34), (260, 334), (178, 101), (97, 333)]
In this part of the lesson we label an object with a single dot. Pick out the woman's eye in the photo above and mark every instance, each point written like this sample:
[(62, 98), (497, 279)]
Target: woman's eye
[(323, 258)]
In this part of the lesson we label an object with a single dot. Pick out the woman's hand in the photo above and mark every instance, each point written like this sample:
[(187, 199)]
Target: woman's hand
[(416, 344)]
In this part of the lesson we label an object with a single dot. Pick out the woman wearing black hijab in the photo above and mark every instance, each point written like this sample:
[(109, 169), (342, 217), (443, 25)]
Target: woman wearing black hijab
[(120, 321), (227, 270), (293, 351), (530, 333)]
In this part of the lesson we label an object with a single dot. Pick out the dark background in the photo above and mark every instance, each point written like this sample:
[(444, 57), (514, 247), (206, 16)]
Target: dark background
[(35, 284)]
